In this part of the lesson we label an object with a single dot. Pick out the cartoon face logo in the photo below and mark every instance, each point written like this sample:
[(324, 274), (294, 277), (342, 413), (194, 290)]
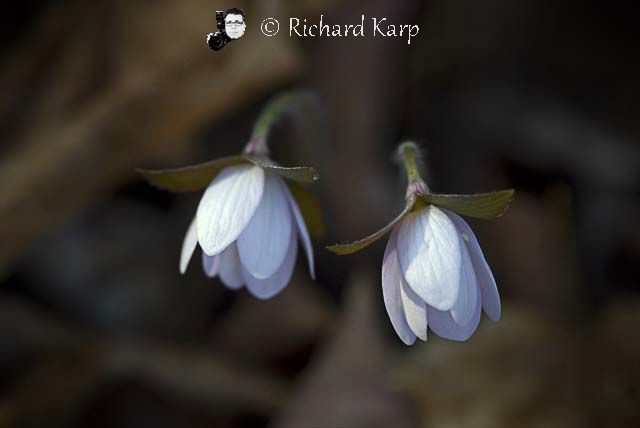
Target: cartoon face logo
[(234, 24), (231, 26)]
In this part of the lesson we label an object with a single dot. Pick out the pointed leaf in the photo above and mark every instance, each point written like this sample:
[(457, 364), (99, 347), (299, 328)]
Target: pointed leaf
[(189, 178), (310, 209), (300, 174), (343, 249), (480, 205)]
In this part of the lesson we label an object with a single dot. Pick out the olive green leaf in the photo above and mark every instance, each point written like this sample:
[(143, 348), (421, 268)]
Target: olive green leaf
[(199, 176), (189, 178), (480, 205), (344, 249), (196, 177), (300, 174), (310, 209)]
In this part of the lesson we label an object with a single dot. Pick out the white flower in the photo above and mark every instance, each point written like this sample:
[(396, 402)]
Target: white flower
[(434, 275), (247, 225)]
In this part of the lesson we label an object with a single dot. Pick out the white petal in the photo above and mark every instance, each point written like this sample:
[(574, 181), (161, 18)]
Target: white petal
[(391, 285), (462, 311), (227, 206), (263, 244), (231, 268), (415, 311), (188, 246), (210, 265), (430, 256), (488, 289), (304, 234), (267, 288), (443, 324)]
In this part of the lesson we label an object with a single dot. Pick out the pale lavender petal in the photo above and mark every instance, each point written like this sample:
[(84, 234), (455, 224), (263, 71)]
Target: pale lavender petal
[(442, 323), (462, 311), (210, 265), (391, 285), (304, 234), (488, 288), (415, 311), (267, 288), (430, 256), (227, 206), (263, 244), (231, 268), (188, 246)]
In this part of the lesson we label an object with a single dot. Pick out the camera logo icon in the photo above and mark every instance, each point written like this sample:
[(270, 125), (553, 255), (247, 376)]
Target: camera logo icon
[(231, 26)]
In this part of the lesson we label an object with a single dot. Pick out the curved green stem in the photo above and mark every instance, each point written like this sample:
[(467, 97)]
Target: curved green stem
[(409, 153), (276, 109)]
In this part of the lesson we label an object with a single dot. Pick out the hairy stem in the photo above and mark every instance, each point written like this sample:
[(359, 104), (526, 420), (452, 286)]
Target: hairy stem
[(275, 110)]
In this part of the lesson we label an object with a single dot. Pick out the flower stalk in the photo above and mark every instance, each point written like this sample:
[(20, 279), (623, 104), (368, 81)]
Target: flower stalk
[(409, 153), (275, 110)]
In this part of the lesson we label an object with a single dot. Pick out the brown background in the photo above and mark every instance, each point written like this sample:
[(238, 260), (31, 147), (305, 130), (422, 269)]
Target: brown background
[(98, 329)]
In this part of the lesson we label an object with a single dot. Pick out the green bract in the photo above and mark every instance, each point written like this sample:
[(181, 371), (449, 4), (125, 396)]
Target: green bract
[(197, 177), (189, 178), (365, 242), (480, 205), (485, 206)]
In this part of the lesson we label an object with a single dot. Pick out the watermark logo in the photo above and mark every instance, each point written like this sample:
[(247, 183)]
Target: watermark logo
[(270, 27), (231, 26), (376, 27)]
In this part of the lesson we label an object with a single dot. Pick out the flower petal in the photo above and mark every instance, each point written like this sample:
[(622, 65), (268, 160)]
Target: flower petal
[(462, 311), (391, 285), (227, 206), (304, 234), (263, 244), (231, 268), (188, 246), (488, 289), (267, 288), (443, 324), (415, 310), (210, 265), (430, 256)]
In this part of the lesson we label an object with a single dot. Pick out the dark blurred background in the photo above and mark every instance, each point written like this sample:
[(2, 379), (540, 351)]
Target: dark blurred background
[(98, 329)]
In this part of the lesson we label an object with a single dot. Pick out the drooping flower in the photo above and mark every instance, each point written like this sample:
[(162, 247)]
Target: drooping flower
[(248, 222), (434, 274), (248, 225)]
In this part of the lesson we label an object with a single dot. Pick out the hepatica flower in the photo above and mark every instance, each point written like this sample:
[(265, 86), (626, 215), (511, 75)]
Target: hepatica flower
[(248, 222), (434, 274)]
